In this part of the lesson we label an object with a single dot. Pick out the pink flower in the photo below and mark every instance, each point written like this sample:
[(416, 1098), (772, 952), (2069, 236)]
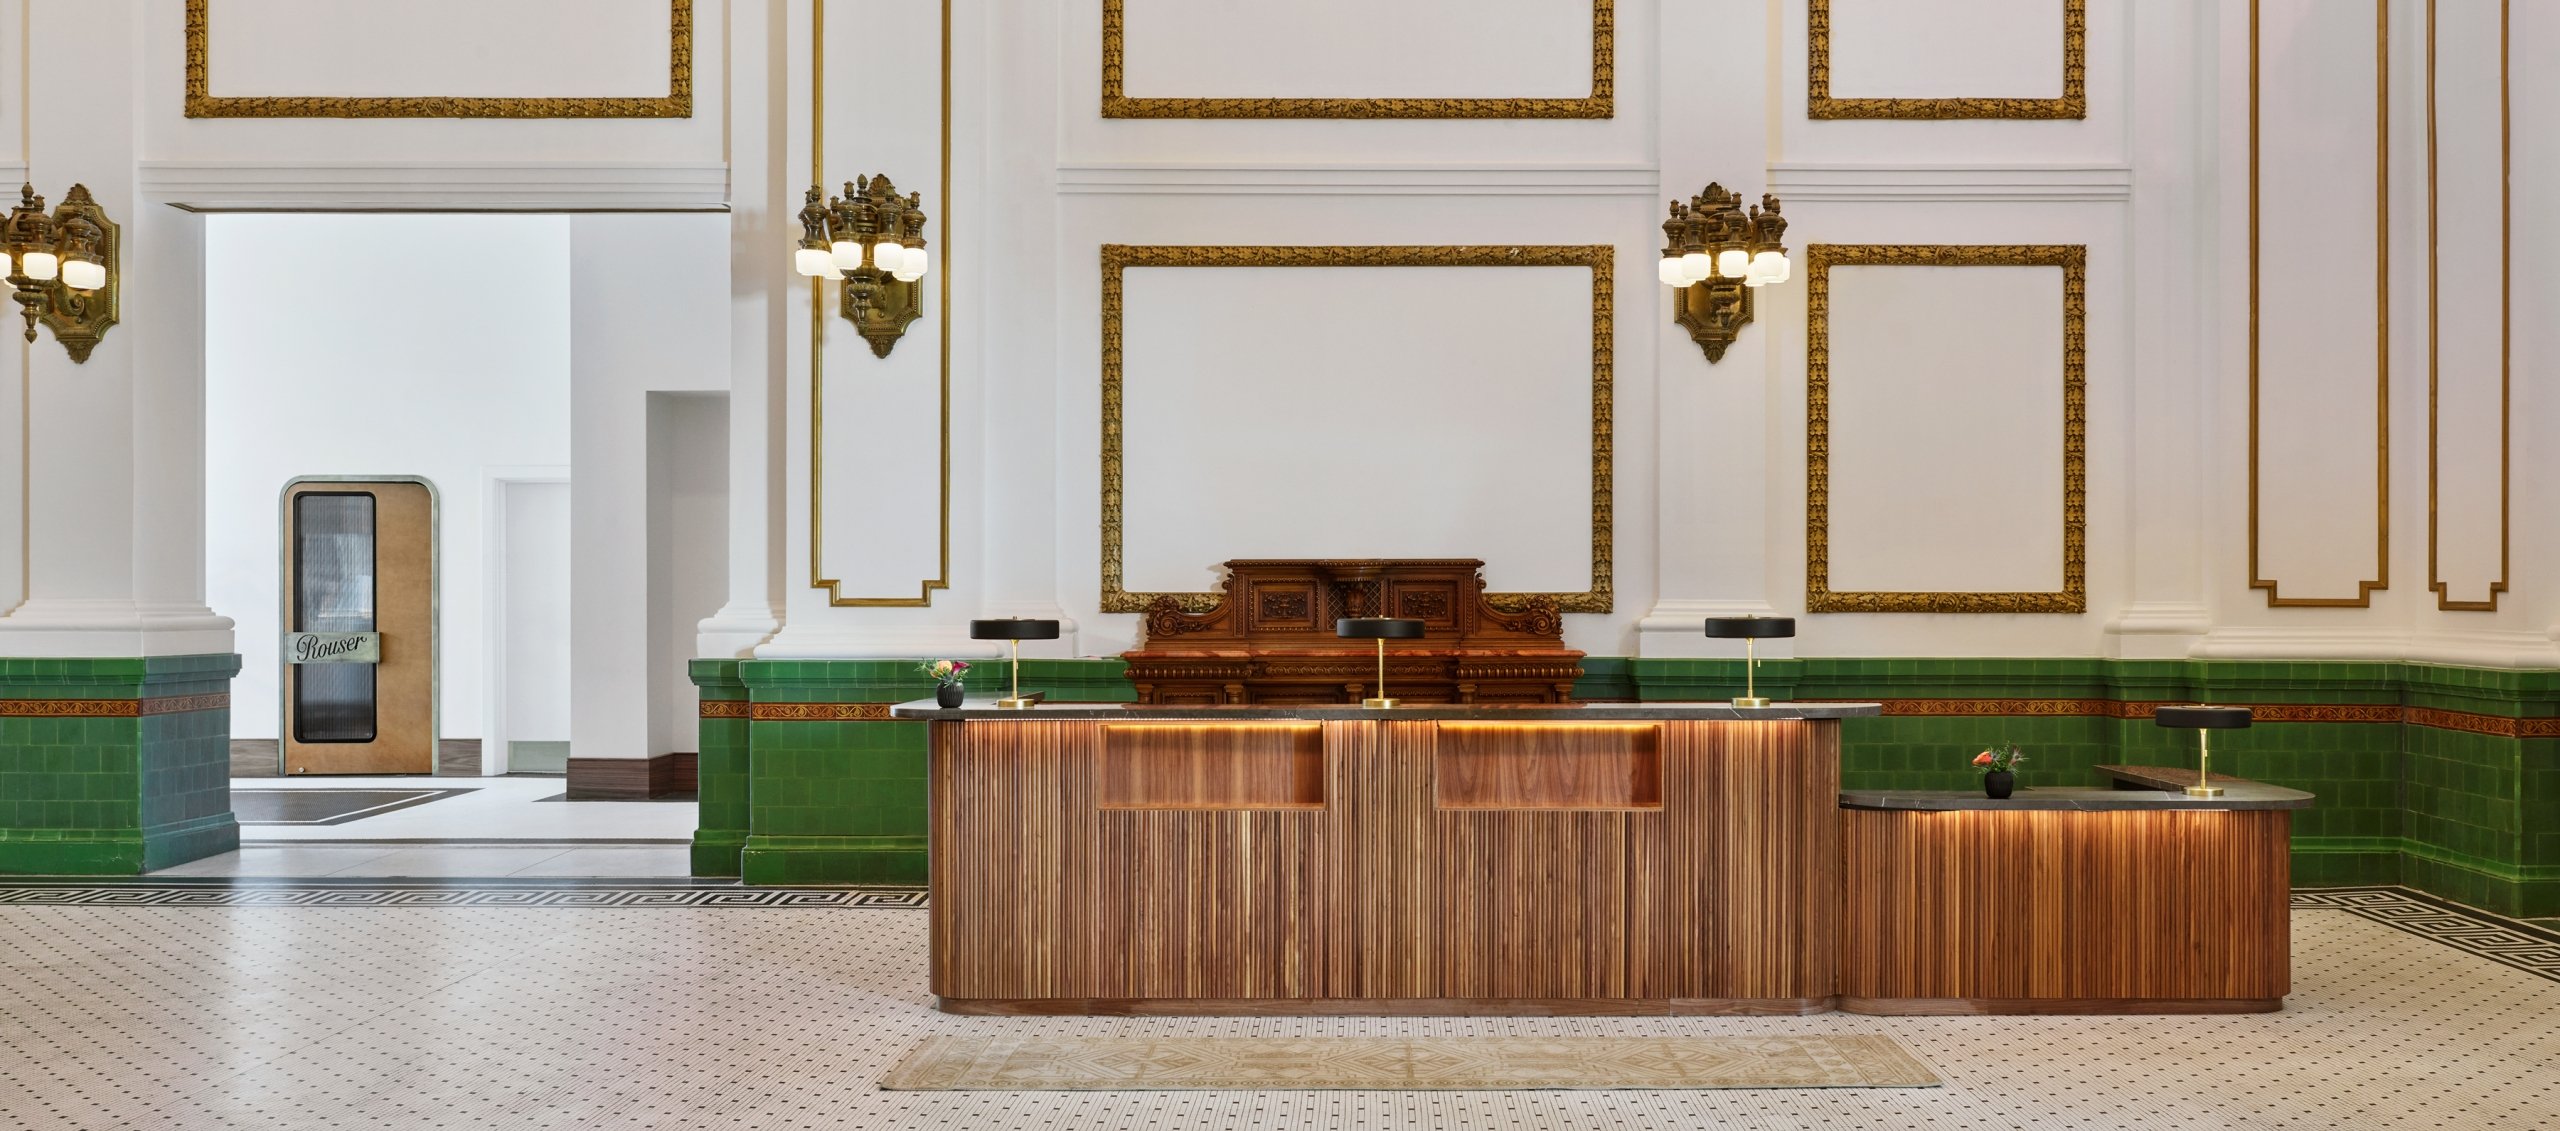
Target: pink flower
[(1982, 759)]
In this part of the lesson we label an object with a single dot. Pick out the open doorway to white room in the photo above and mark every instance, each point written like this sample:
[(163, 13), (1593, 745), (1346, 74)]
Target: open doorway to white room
[(392, 518)]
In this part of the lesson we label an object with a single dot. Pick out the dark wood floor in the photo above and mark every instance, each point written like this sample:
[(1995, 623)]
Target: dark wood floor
[(256, 758)]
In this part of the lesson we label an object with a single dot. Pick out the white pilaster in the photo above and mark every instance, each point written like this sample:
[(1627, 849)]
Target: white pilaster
[(761, 232)]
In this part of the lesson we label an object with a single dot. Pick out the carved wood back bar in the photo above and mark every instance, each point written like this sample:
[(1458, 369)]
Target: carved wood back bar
[(1269, 639)]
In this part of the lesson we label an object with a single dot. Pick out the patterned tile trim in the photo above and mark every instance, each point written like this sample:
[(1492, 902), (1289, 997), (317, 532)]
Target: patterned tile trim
[(111, 708), (2266, 713), (614, 894), (819, 712), (724, 708), (2508, 942)]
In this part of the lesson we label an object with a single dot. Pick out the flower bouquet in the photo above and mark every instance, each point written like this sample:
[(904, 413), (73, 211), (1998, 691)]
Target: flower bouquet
[(1998, 767), (946, 676)]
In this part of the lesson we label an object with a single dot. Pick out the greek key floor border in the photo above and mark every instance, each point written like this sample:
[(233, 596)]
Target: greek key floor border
[(608, 894), (2508, 942)]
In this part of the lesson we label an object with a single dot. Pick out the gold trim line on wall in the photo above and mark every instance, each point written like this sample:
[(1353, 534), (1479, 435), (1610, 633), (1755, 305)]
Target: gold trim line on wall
[(2074, 102), (2506, 330), (1601, 103), (1600, 258), (818, 320), (2381, 327), (2073, 260), (203, 103)]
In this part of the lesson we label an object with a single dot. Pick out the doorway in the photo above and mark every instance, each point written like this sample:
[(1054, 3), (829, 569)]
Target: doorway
[(360, 623)]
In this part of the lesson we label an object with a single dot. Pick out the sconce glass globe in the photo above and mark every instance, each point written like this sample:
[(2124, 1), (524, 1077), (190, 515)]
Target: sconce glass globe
[(915, 264), (1733, 262), (83, 275), (1771, 265), (887, 255), (1672, 272), (813, 262), (40, 265), (846, 253), (1697, 266)]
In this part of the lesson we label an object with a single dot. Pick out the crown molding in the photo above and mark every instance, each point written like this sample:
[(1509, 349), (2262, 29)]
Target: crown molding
[(314, 186), (1809, 181), (1145, 178)]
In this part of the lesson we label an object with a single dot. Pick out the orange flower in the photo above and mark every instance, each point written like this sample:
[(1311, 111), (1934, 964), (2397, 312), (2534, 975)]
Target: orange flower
[(1982, 759)]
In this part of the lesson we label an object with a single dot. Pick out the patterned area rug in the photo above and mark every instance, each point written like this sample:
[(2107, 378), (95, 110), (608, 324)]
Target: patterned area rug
[(1118, 1064)]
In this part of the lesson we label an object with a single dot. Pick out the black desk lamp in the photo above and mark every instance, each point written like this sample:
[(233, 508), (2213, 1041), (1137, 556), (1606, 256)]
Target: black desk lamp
[(1380, 629), (1750, 631), (1016, 631), (2201, 719)]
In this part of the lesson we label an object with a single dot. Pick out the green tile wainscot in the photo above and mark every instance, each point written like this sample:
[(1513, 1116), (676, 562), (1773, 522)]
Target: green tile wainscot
[(114, 766), (2443, 778)]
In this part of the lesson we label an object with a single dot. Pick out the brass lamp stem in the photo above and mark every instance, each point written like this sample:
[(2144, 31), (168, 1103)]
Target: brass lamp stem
[(2204, 786), (1016, 665), (1750, 675), (1380, 701)]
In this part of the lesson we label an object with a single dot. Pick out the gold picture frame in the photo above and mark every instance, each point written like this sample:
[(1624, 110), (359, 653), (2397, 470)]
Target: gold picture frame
[(2074, 102), (1600, 103), (819, 318), (2381, 579), (2073, 259), (203, 103), (1600, 258)]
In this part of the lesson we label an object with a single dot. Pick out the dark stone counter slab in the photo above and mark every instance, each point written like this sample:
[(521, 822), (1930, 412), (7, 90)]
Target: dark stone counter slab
[(926, 710), (2236, 795)]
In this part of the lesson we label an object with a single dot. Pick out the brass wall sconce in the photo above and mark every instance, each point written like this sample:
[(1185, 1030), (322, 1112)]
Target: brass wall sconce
[(1715, 255), (63, 267), (871, 241)]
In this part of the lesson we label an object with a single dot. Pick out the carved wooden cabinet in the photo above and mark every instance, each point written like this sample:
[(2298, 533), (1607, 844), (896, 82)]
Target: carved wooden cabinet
[(1269, 638)]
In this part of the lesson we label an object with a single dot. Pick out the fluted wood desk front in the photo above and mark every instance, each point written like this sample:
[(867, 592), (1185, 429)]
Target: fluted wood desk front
[(1603, 858)]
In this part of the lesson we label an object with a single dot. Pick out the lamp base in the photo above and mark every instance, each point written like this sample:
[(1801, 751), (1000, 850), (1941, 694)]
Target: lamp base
[(1750, 700), (2204, 791), (1379, 704), (1023, 704)]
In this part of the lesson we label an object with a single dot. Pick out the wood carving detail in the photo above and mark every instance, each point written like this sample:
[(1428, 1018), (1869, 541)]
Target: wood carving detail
[(1268, 638)]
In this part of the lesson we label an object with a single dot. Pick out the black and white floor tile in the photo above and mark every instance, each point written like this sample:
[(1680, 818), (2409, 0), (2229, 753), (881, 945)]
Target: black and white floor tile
[(2525, 945), (214, 1009)]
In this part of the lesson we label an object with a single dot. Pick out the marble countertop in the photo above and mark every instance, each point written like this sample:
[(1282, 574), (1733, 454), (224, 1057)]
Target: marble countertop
[(977, 709), (2235, 795)]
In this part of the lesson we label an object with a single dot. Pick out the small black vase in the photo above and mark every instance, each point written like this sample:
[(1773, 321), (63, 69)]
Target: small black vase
[(1997, 784), (948, 695)]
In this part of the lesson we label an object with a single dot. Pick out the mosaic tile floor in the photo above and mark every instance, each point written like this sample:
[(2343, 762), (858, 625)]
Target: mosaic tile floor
[(681, 1014)]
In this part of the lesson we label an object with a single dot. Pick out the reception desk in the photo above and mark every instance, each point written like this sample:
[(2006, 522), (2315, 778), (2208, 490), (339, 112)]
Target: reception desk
[(1601, 858), (1654, 858)]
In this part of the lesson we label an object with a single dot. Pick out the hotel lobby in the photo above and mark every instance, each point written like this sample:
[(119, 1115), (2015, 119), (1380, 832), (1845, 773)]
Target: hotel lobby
[(1147, 564)]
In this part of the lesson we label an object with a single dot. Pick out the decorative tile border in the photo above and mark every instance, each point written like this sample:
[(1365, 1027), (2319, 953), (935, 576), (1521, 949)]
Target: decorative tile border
[(111, 708), (2265, 712), (819, 712), (591, 894), (724, 708), (2508, 942)]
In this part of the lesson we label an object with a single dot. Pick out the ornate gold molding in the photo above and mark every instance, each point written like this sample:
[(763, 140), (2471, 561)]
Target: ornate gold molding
[(819, 713), (1601, 103), (2073, 260), (112, 708), (818, 320), (203, 103), (2506, 330), (2381, 578), (724, 709), (2074, 102), (1600, 258)]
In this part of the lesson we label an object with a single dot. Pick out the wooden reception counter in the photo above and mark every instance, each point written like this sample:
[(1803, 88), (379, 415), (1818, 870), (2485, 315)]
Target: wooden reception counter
[(1601, 858), (1646, 858)]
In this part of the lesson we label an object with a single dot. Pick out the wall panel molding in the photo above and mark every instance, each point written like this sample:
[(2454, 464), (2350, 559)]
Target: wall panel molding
[(1600, 259), (2073, 102), (2073, 260), (1911, 184), (2381, 245), (203, 103), (1360, 179), (1600, 103), (2436, 580)]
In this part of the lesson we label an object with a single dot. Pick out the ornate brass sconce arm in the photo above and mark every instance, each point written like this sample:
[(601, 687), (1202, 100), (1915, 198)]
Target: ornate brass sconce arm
[(62, 268), (1714, 255), (872, 241)]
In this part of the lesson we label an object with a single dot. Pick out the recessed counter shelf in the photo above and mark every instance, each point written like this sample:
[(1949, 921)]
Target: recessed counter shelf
[(1619, 858), (2097, 900), (1555, 859)]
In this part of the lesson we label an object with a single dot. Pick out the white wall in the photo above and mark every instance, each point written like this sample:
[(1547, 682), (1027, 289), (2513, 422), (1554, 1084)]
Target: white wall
[(532, 619), (688, 565), (320, 361)]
